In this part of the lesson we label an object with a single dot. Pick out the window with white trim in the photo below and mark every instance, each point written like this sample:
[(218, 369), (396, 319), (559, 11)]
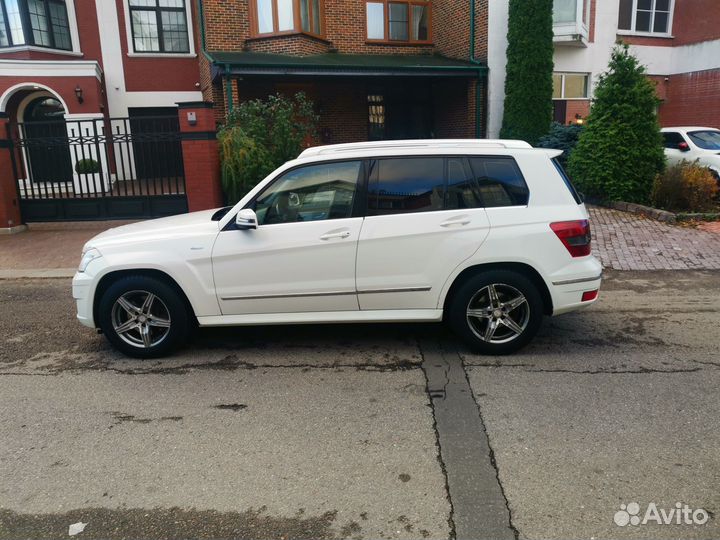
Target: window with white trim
[(646, 16), (40, 23), (159, 26), (571, 85)]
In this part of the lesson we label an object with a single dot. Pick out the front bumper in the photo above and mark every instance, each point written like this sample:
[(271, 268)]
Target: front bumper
[(83, 288)]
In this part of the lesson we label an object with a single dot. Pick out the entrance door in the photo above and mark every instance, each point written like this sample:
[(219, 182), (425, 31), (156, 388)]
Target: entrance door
[(47, 151), (400, 112), (156, 158)]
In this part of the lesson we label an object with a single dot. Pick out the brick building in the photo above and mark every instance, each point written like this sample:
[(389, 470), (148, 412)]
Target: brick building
[(375, 69), (678, 41), (94, 81)]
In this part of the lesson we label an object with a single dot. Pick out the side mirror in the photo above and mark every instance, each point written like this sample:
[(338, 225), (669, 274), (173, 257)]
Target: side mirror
[(683, 147), (246, 219)]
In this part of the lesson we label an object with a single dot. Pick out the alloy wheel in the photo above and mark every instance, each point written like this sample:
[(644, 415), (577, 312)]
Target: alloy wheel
[(141, 319), (498, 313)]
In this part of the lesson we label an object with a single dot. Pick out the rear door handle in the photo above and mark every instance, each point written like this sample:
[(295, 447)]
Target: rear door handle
[(329, 236), (456, 221)]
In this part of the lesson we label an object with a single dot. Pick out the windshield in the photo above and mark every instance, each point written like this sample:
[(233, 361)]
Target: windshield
[(707, 140)]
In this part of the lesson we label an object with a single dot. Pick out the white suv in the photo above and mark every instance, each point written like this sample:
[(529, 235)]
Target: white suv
[(487, 235), (691, 144)]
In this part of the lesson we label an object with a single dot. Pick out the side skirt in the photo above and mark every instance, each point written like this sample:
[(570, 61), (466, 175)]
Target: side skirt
[(399, 315)]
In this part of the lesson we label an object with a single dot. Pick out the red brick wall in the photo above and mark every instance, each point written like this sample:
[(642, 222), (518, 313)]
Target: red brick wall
[(692, 99)]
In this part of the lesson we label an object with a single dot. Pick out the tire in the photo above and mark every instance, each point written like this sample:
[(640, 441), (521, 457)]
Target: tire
[(511, 289), (154, 314)]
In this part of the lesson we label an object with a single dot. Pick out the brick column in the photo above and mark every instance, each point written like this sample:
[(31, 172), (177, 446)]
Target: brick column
[(10, 219), (201, 155)]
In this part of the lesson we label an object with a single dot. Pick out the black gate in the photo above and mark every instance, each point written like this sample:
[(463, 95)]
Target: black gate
[(104, 168)]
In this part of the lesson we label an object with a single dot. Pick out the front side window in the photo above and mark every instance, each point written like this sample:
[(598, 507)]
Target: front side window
[(312, 193), (159, 26), (402, 20), (282, 16), (672, 139), (500, 181), (570, 85), (646, 16), (42, 23)]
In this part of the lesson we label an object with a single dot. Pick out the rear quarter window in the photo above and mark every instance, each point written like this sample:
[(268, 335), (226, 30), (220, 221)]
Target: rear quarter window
[(567, 181), (499, 181)]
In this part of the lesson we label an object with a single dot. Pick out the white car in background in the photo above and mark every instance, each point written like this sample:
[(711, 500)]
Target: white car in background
[(486, 235), (693, 143)]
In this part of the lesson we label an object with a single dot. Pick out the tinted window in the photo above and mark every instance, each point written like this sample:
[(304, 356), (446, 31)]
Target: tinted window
[(707, 140), (404, 185), (462, 191), (310, 193), (567, 181), (499, 181), (672, 139)]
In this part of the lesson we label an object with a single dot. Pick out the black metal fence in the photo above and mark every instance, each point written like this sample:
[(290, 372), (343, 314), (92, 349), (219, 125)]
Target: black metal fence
[(100, 168)]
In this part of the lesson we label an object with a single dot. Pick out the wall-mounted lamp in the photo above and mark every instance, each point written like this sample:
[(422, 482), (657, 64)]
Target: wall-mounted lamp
[(79, 94), (579, 119)]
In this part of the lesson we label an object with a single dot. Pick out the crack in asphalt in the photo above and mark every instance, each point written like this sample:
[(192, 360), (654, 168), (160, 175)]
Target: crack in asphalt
[(438, 452), (514, 529)]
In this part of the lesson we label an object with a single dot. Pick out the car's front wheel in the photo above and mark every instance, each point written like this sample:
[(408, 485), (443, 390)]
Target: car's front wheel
[(143, 317), (496, 312)]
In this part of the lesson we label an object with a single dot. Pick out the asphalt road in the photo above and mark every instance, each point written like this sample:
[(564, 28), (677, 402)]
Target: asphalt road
[(330, 432)]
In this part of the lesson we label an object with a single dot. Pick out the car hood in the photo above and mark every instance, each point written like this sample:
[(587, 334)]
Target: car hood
[(156, 229)]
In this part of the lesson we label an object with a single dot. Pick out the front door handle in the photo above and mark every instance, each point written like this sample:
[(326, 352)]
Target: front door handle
[(329, 236), (456, 221)]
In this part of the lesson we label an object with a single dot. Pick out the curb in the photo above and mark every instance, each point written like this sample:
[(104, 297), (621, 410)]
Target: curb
[(43, 273), (647, 211)]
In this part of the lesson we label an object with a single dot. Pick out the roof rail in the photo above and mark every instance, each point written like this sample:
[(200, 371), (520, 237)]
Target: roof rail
[(414, 143)]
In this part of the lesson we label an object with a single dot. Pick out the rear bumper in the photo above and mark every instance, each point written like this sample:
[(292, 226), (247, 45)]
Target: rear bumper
[(567, 287)]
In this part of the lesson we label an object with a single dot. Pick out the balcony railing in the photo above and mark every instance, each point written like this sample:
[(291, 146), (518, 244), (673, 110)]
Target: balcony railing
[(571, 20)]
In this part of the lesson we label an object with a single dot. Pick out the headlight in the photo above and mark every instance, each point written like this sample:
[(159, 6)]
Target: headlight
[(89, 256)]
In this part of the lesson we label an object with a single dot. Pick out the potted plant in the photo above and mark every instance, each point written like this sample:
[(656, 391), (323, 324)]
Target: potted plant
[(88, 177)]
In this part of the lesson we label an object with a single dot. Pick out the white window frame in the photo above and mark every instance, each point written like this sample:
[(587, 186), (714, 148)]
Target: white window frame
[(74, 37), (191, 37), (562, 85), (633, 21)]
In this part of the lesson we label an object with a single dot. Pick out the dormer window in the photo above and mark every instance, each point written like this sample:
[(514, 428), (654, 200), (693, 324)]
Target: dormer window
[(403, 21), (287, 17), (39, 23)]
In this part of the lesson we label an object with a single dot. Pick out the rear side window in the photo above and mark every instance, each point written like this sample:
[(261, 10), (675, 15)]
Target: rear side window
[(462, 191), (500, 181), (568, 182), (406, 185)]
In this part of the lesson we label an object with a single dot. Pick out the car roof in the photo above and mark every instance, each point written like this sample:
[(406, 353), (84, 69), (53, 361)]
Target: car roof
[(370, 147), (689, 128)]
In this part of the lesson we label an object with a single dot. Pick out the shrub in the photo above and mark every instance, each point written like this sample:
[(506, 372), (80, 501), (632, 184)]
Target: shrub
[(528, 81), (561, 137), (87, 166), (620, 151), (685, 187), (259, 136)]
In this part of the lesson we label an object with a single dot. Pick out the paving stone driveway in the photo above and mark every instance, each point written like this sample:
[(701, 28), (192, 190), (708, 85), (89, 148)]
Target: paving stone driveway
[(624, 241)]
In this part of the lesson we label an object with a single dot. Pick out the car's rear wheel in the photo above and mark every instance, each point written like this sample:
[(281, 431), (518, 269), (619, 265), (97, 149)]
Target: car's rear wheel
[(496, 312), (143, 317)]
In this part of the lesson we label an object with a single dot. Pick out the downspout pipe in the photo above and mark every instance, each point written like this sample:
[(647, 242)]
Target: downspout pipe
[(473, 60), (203, 48)]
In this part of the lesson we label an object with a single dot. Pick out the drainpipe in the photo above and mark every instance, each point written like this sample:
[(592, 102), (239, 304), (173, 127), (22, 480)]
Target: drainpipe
[(473, 60), (203, 47)]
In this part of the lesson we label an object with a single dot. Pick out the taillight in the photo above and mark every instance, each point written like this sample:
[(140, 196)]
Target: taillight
[(589, 295), (575, 236)]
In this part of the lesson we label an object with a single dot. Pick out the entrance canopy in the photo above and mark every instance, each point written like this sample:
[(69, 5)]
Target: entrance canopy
[(343, 65)]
